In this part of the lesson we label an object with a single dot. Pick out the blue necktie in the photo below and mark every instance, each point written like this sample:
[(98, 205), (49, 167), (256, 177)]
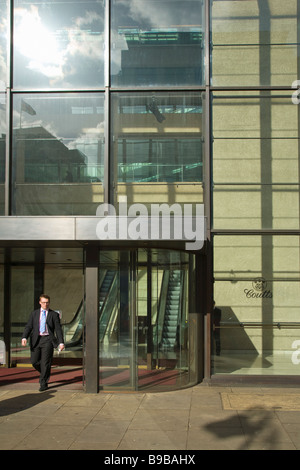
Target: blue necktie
[(43, 322)]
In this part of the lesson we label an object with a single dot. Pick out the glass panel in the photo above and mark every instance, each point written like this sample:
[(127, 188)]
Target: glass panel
[(64, 283), (61, 277), (58, 162), (167, 345), (24, 255), (117, 346), (2, 152), (3, 44), (157, 147), (254, 43), (157, 42), (257, 289), (255, 161), (22, 304), (143, 328), (58, 44)]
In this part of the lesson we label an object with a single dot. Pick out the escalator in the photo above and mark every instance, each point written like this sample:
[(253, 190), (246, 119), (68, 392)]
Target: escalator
[(105, 287), (107, 306), (73, 331), (167, 332), (168, 321), (172, 315), (168, 327)]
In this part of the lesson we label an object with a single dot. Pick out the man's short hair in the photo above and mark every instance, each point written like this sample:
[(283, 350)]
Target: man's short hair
[(44, 296)]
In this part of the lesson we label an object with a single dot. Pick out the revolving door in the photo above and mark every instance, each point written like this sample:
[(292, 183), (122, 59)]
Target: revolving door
[(147, 324)]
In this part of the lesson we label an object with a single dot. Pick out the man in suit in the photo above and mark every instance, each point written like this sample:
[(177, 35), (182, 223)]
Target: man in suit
[(45, 333)]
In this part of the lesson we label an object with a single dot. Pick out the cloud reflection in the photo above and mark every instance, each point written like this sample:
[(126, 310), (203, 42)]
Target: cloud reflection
[(61, 50), (35, 41)]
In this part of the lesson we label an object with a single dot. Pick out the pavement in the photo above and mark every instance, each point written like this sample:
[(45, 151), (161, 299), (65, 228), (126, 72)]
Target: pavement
[(203, 417)]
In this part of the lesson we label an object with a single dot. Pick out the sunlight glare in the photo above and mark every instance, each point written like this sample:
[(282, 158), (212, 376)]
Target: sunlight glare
[(34, 41)]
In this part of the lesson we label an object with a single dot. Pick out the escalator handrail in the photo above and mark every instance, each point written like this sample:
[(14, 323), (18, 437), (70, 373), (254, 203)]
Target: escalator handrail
[(104, 310)]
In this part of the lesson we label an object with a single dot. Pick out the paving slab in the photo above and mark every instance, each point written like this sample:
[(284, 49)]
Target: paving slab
[(199, 418), (264, 401)]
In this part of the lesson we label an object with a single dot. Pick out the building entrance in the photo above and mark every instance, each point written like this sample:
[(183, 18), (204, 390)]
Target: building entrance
[(131, 318), (144, 321)]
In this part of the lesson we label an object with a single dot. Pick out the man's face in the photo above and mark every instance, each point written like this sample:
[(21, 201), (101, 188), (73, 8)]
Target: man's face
[(44, 303)]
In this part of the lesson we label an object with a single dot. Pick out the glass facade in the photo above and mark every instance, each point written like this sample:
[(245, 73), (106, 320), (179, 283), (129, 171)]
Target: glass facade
[(72, 35), (157, 147), (58, 157), (153, 102), (157, 43)]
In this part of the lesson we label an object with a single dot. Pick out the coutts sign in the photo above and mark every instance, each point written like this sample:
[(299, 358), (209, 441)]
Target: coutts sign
[(259, 290)]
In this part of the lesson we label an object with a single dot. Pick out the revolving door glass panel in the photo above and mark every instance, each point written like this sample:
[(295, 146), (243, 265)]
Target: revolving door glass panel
[(116, 332), (143, 319), (162, 308)]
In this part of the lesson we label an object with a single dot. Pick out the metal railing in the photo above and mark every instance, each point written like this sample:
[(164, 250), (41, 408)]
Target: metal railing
[(249, 324)]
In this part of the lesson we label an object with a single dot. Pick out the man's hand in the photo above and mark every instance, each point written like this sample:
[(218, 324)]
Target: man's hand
[(24, 341)]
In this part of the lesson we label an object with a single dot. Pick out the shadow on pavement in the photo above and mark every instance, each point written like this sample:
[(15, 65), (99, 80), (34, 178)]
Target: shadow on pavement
[(255, 425), (23, 402)]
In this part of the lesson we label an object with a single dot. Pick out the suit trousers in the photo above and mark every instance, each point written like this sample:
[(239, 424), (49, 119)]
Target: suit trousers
[(41, 358)]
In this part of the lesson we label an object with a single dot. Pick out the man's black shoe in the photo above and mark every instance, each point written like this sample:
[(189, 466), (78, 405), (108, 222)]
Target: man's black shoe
[(43, 388)]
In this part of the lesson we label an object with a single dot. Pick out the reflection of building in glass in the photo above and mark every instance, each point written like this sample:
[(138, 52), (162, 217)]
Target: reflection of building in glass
[(160, 57), (46, 159), (150, 149)]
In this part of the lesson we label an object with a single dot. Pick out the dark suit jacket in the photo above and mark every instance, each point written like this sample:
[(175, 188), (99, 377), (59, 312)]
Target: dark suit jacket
[(53, 324)]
